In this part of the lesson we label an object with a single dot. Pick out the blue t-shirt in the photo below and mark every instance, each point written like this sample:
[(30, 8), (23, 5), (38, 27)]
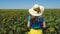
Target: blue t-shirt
[(39, 24)]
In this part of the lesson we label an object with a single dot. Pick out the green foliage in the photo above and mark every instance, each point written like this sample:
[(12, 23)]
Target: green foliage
[(13, 21)]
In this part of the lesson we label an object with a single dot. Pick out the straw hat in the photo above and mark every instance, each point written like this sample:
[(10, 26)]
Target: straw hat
[(34, 13)]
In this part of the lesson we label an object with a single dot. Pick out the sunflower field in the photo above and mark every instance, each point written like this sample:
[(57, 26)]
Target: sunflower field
[(14, 21)]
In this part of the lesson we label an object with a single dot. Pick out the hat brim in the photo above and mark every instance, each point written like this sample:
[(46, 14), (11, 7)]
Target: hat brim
[(34, 13)]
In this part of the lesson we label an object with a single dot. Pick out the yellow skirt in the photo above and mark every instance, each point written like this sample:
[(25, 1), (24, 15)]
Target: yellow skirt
[(33, 31)]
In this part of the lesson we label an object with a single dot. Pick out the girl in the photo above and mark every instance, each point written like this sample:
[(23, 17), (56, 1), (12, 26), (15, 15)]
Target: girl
[(35, 20)]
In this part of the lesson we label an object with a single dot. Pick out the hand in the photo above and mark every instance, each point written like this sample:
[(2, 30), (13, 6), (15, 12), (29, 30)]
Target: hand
[(28, 25), (44, 25)]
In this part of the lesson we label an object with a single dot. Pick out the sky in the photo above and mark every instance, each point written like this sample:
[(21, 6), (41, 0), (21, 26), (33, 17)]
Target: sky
[(26, 4)]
